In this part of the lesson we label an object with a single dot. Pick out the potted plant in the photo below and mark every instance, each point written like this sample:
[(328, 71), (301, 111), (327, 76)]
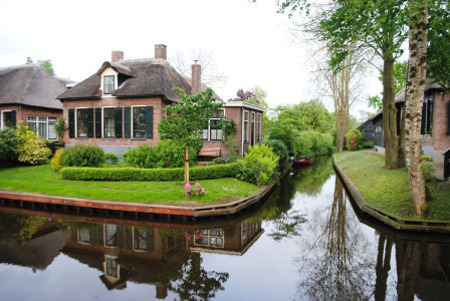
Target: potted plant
[(60, 128)]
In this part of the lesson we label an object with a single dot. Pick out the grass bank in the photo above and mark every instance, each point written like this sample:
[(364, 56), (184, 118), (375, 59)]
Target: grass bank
[(41, 179), (389, 190)]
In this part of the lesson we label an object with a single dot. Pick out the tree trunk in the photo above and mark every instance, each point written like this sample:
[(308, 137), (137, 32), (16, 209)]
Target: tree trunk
[(390, 115), (416, 88), (186, 165), (401, 146)]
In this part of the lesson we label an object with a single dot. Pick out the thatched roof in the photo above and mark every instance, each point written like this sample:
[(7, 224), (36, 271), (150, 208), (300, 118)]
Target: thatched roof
[(144, 78), (30, 85)]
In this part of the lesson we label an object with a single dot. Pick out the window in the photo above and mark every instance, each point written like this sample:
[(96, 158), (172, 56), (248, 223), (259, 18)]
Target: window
[(84, 236), (140, 239), (32, 123), (52, 135), (82, 123), (139, 122), (252, 133), (112, 268), (42, 127), (212, 238), (8, 119), (215, 132), (258, 127), (378, 129), (111, 235), (246, 126), (108, 84), (109, 122)]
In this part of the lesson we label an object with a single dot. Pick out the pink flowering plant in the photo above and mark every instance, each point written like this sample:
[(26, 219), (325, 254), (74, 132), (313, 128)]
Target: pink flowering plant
[(197, 190)]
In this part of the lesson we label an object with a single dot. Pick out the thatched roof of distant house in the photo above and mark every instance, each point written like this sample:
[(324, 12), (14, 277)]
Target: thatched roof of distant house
[(30, 85), (143, 78)]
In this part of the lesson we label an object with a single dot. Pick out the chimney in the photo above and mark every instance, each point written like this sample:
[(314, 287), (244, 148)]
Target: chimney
[(196, 85), (116, 56), (160, 51), (29, 60)]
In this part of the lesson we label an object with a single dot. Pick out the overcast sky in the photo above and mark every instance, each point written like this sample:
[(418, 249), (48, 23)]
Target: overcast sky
[(251, 43)]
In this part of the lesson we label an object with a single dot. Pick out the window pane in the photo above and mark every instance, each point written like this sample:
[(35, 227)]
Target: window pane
[(108, 84), (140, 239), (7, 119), (42, 127), (111, 235), (85, 236), (51, 128), (82, 123), (139, 122), (32, 125), (109, 121)]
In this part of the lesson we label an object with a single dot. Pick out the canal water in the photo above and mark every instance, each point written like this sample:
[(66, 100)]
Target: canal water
[(305, 243)]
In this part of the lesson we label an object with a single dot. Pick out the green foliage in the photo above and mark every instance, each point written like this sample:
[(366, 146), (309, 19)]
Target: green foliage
[(428, 171), (166, 154), (184, 121), (17, 229), (375, 102), (57, 160), (48, 66), (218, 161), (111, 158), (368, 144), (31, 149), (258, 166), (154, 174), (84, 156), (60, 128), (228, 127), (280, 149), (425, 158), (355, 140), (8, 146)]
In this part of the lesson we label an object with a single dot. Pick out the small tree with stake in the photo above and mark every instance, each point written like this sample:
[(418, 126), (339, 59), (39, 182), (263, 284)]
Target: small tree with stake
[(185, 121)]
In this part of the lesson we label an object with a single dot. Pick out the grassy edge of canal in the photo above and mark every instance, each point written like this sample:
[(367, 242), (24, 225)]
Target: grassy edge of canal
[(389, 190)]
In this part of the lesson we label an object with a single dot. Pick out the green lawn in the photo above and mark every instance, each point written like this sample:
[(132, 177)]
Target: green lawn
[(41, 179), (389, 190)]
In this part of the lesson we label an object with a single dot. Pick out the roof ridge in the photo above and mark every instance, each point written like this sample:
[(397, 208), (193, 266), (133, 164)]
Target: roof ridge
[(20, 66)]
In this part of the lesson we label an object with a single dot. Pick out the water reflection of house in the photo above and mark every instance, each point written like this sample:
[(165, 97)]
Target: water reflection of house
[(123, 253), (234, 240)]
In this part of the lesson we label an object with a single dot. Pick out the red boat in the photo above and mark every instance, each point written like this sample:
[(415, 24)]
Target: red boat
[(303, 161)]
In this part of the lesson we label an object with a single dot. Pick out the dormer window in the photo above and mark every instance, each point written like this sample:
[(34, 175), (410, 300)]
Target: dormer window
[(108, 84)]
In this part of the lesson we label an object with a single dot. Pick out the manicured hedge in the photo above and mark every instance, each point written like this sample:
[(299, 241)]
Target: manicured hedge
[(150, 174)]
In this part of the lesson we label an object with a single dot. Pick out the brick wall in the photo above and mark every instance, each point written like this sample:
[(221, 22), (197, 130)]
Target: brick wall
[(440, 123), (22, 112), (156, 102)]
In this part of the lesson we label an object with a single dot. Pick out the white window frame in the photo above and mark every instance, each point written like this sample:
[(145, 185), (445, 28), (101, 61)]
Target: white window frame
[(103, 122), (132, 122), (133, 241), (37, 122), (76, 121), (2, 126), (209, 127), (104, 236)]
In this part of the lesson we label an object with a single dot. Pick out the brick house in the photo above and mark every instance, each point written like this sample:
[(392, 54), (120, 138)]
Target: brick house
[(120, 106), (435, 127), (28, 93)]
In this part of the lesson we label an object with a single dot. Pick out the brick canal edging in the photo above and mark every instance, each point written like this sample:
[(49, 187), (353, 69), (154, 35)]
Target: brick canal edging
[(389, 219), (207, 210)]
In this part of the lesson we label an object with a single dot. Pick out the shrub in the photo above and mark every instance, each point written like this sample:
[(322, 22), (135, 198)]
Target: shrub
[(425, 158), (233, 158), (368, 144), (111, 158), (84, 156), (280, 149), (172, 155), (31, 149), (8, 146), (428, 171), (144, 174), (258, 166), (355, 140), (57, 160), (218, 161)]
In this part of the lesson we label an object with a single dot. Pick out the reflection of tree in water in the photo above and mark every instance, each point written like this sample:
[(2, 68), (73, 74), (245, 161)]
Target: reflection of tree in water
[(310, 181), (383, 266), (334, 266), (15, 228), (183, 272), (409, 258)]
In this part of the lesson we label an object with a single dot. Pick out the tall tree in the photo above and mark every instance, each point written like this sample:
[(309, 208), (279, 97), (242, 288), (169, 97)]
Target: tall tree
[(414, 101), (48, 66), (184, 121)]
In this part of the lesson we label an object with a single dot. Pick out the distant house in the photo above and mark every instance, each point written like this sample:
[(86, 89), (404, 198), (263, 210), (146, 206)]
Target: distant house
[(121, 105), (28, 93), (435, 127)]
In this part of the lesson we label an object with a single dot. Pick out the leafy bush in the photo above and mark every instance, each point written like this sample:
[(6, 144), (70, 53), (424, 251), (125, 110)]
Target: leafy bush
[(57, 160), (218, 161), (425, 158), (355, 140), (166, 154), (428, 171), (84, 156), (368, 144), (144, 174), (258, 166), (280, 149), (111, 158), (233, 158), (31, 149), (8, 145)]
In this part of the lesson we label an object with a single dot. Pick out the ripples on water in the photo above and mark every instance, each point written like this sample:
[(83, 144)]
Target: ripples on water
[(305, 243)]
